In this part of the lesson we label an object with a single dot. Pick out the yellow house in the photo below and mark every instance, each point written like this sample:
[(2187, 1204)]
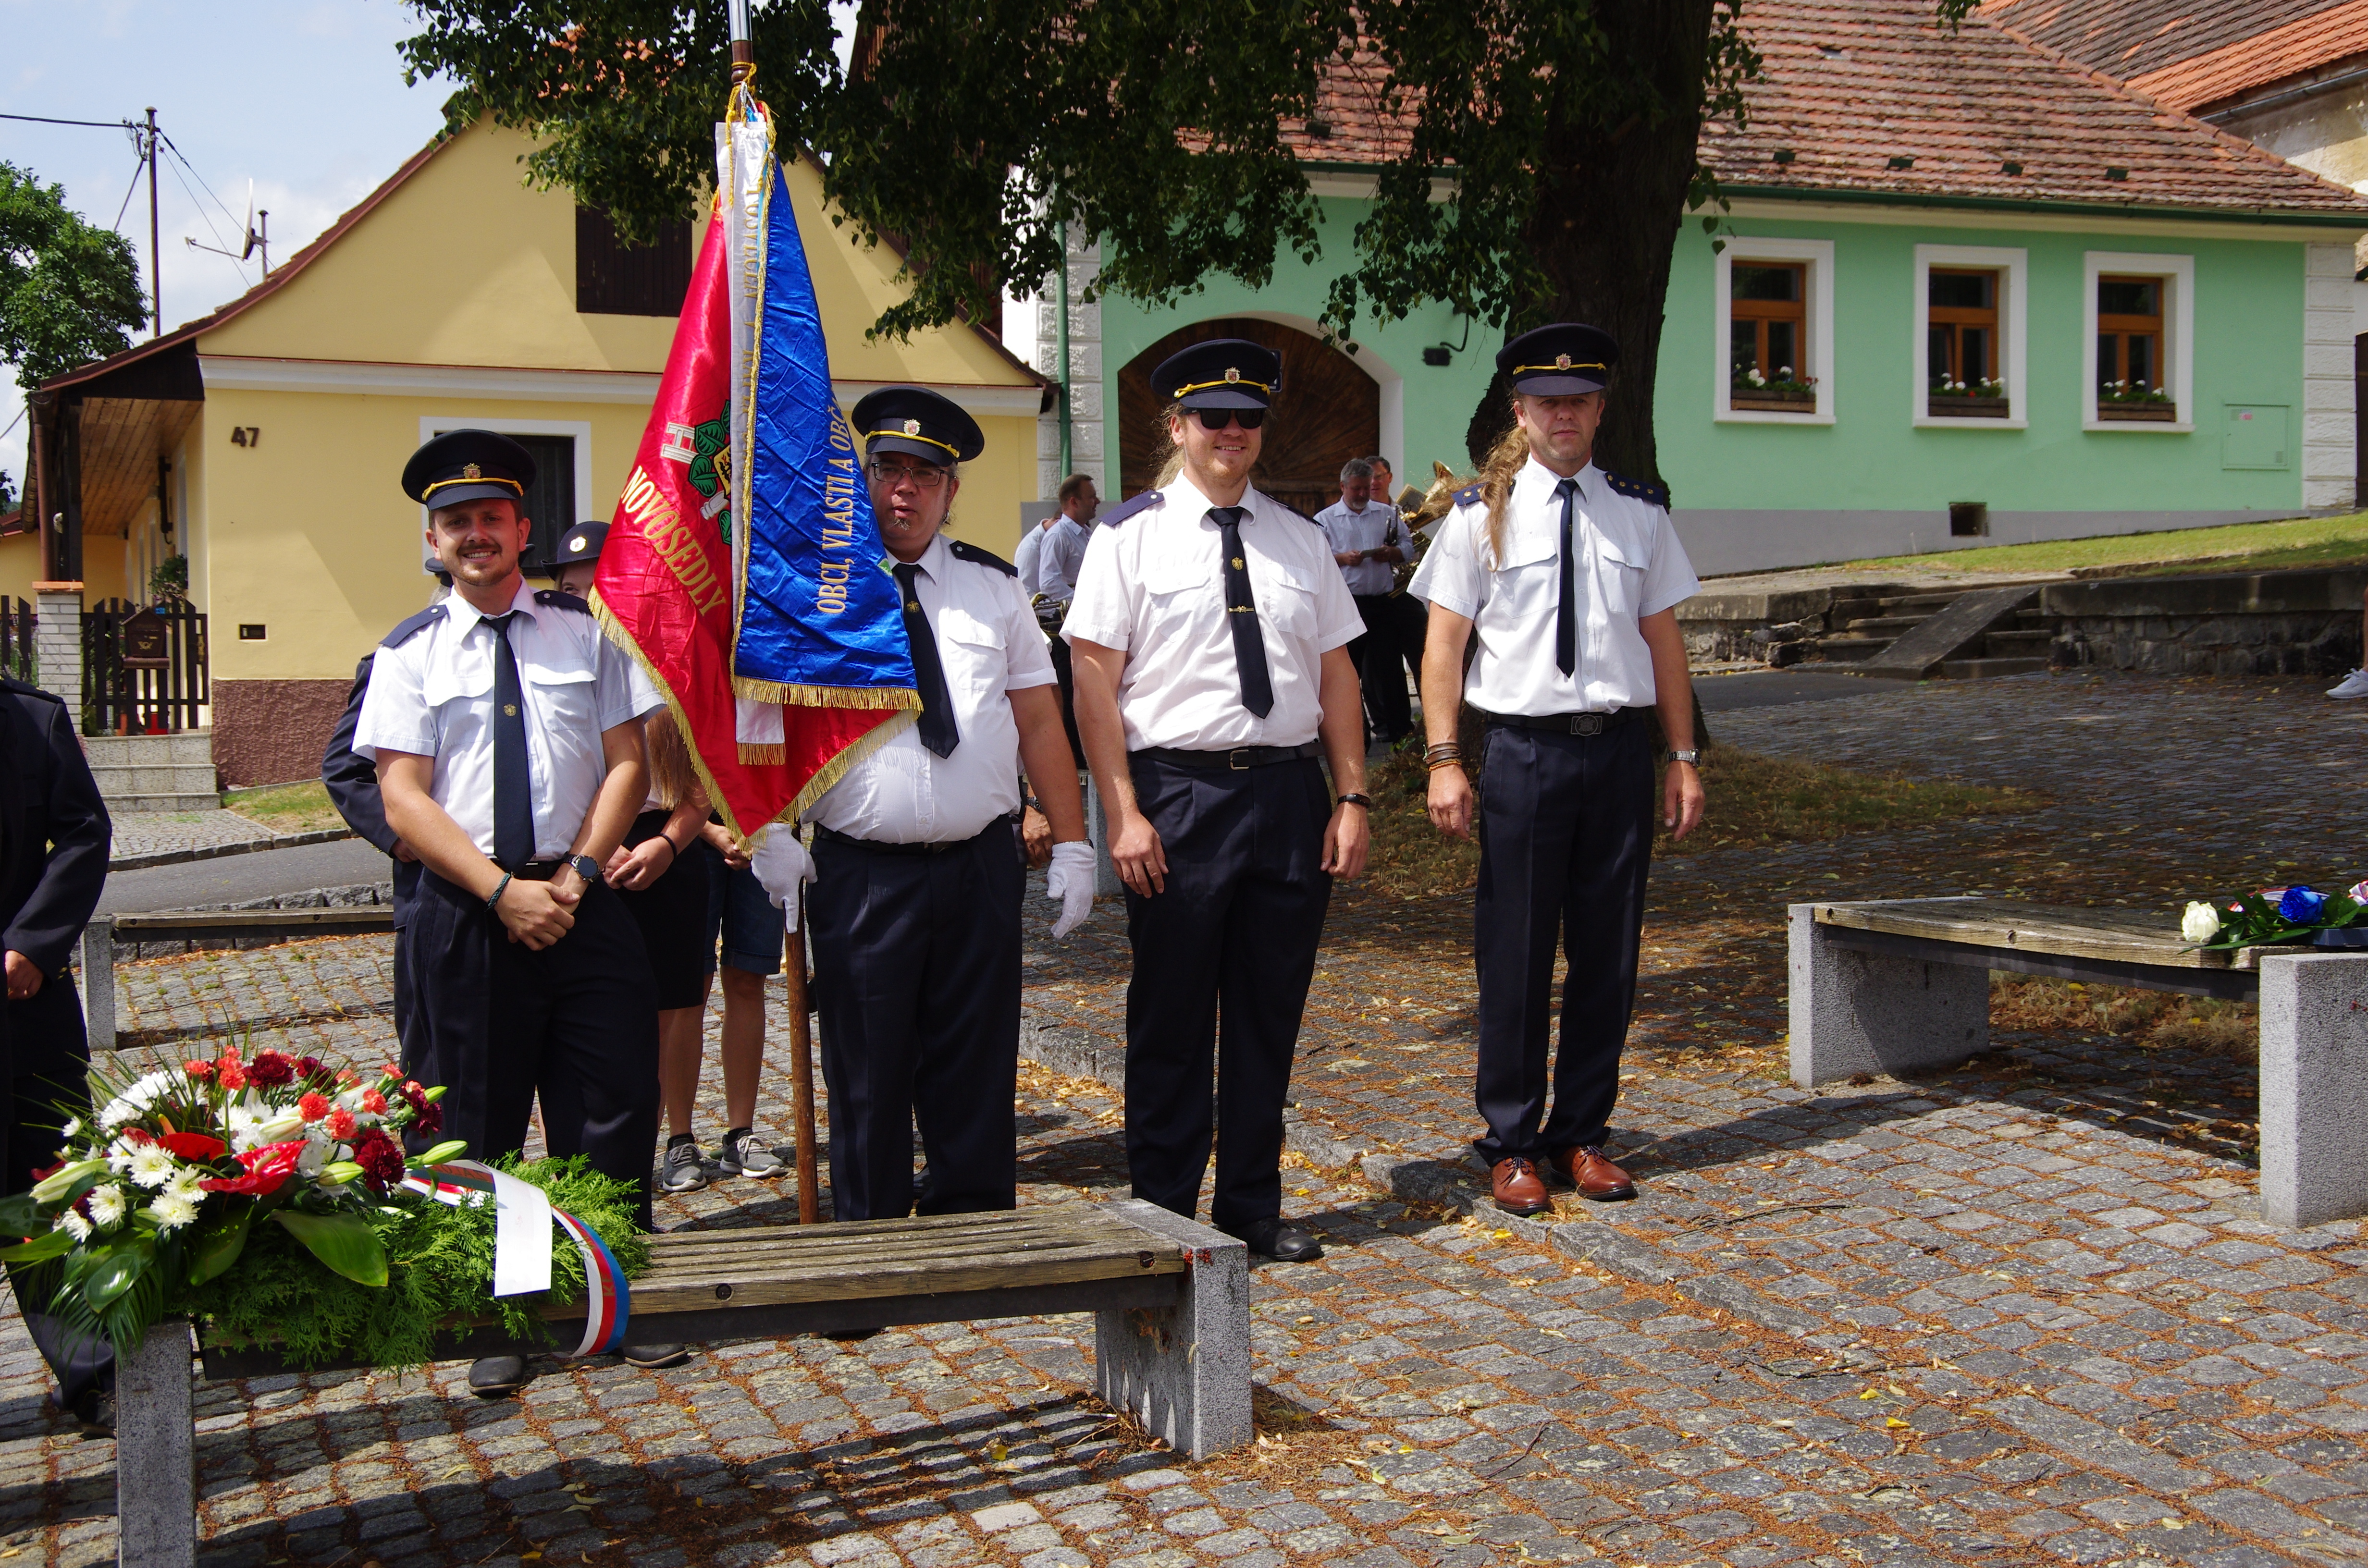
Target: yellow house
[(263, 442)]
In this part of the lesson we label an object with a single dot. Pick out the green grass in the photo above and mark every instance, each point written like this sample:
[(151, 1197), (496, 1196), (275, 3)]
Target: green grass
[(285, 807), (2240, 547)]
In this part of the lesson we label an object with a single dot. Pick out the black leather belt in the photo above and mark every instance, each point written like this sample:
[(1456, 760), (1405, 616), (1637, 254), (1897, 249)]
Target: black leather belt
[(880, 847), (1236, 759), (1566, 724)]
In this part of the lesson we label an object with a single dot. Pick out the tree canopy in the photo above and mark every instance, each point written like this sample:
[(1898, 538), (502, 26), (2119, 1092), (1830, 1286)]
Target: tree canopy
[(69, 290)]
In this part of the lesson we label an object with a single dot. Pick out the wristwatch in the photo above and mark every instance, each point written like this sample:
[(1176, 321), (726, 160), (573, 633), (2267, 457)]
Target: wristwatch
[(1691, 757), (1355, 800), (585, 866)]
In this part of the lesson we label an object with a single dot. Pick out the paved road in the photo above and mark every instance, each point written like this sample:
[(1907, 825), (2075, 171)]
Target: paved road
[(235, 878), (1772, 688)]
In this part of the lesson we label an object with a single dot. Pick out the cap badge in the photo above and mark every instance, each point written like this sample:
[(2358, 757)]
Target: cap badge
[(471, 470), (1232, 374), (912, 427), (1562, 362), (575, 543)]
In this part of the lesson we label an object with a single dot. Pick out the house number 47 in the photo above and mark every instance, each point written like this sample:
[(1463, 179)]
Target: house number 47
[(246, 435)]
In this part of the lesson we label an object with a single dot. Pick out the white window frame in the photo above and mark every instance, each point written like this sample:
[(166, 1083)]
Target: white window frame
[(2178, 273), (1819, 255), (2012, 263), (430, 424)]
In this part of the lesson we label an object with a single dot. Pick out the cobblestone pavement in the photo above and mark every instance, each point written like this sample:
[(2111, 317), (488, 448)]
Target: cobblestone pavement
[(155, 833), (2024, 1313)]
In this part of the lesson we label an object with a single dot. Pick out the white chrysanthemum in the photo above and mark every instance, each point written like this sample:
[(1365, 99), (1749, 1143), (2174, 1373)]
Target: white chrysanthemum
[(108, 1205), (72, 1224), (137, 1100), (171, 1212), (244, 1127), (72, 1128), (185, 1185), (153, 1164)]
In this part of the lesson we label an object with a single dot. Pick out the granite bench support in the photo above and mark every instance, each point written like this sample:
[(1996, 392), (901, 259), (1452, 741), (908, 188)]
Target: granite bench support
[(1170, 1305), (99, 936), (1890, 1001)]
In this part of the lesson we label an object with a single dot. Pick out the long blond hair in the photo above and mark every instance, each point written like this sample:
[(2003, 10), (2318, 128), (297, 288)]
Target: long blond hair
[(673, 779), (1498, 472), (1174, 466)]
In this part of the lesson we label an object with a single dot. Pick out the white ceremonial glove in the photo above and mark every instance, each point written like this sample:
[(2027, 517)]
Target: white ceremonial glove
[(780, 863), (1071, 880)]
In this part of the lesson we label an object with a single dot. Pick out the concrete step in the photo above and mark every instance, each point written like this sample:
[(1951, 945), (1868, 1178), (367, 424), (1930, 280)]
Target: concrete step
[(1985, 669), (191, 747), (2020, 641), (193, 782), (118, 804), (1919, 604), (1850, 649), (1883, 625)]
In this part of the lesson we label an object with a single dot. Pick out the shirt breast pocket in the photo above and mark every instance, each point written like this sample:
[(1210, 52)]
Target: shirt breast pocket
[(1286, 598), (563, 698), (1528, 579), (1620, 573), (973, 653)]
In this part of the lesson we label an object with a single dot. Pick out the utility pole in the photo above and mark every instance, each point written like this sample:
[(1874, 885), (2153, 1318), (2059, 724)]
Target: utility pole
[(156, 278)]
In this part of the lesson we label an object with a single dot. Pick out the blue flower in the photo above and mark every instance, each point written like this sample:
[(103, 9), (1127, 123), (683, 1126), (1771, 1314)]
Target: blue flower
[(2300, 906)]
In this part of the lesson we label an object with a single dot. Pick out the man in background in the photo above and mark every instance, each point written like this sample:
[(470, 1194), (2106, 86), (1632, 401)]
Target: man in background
[(1057, 560), (1369, 542)]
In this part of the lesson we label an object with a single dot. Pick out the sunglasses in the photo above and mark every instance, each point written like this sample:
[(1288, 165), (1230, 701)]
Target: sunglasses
[(1218, 418)]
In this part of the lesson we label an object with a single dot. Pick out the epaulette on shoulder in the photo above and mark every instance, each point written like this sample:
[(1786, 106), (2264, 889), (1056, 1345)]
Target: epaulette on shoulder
[(964, 551), (1468, 496), (1125, 509), (413, 627), (1651, 494), (1297, 513), (562, 600), (27, 688)]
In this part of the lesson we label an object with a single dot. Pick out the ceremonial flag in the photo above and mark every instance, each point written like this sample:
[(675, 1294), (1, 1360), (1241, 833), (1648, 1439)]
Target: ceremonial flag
[(742, 565)]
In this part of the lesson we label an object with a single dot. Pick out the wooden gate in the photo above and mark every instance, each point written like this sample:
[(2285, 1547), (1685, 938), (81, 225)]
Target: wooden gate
[(143, 667), (16, 639)]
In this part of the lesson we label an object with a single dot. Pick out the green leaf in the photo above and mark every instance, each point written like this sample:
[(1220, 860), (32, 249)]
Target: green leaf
[(217, 1247), (48, 1244), (344, 1242), (117, 1266)]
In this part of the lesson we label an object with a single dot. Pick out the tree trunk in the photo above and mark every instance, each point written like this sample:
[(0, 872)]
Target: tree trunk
[(1611, 200)]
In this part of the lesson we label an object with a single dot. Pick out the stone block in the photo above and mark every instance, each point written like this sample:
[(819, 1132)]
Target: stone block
[(98, 983), (2314, 1087), (1183, 1370), (1854, 1012), (156, 1477)]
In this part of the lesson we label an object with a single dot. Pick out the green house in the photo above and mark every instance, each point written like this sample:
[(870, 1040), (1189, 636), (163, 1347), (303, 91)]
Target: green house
[(1965, 291)]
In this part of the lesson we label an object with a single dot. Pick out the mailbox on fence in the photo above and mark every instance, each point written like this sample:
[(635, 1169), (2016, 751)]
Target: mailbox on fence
[(147, 641)]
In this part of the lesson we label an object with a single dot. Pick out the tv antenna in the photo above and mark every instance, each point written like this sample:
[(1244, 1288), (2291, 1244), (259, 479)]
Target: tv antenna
[(257, 241)]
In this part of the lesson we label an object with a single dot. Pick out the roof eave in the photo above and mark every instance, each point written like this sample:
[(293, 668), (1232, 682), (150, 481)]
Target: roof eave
[(2282, 216)]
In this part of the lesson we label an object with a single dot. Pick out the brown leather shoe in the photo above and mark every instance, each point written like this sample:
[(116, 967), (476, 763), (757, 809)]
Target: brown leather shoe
[(1590, 1170), (1517, 1187)]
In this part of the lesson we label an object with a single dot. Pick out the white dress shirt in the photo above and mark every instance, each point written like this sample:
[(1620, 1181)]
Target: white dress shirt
[(989, 645), (1629, 564), (1064, 554), (1371, 528), (1024, 558), (1153, 587), (432, 695)]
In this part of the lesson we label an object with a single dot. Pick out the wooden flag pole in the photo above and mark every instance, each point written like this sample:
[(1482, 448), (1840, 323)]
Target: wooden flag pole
[(801, 1060)]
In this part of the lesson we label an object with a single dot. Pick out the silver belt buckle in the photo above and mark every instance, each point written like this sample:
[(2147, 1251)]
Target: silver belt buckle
[(1234, 758), (1586, 724)]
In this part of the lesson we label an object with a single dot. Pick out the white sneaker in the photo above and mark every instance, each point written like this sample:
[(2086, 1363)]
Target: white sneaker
[(2353, 685)]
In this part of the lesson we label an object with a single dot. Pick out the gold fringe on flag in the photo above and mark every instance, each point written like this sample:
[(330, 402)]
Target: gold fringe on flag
[(826, 696)]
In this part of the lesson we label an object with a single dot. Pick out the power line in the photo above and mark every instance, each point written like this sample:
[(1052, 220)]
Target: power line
[(99, 124), (223, 250), (183, 161), (128, 191)]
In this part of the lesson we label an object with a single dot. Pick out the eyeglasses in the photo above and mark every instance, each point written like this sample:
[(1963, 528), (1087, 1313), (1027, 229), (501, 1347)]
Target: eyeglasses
[(925, 476), (1218, 418)]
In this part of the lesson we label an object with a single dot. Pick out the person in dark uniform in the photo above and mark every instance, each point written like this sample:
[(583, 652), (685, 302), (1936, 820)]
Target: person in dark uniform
[(577, 559), (914, 912), (1570, 577), (1210, 634), (506, 734), (54, 834)]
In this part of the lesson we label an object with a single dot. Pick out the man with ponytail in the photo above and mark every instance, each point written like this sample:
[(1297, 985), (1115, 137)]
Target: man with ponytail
[(1570, 576)]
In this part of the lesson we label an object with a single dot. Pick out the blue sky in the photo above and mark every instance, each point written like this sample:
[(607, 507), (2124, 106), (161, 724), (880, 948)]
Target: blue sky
[(304, 97)]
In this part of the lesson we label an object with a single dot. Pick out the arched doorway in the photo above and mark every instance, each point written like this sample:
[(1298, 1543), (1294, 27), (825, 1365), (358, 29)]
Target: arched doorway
[(1327, 412)]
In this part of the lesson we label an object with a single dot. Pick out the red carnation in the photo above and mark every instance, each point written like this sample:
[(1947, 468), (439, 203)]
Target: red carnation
[(429, 1122), (310, 1067), (194, 1147), (374, 1102), (379, 1158), (270, 1070), (341, 1123), (198, 1069), (312, 1107)]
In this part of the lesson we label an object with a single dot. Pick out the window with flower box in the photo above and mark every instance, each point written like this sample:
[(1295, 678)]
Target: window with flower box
[(1971, 333), (2139, 311), (1774, 331)]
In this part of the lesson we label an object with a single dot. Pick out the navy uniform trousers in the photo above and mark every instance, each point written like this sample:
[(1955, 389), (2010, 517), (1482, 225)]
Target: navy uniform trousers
[(498, 1023), (1566, 829), (916, 988), (1223, 957)]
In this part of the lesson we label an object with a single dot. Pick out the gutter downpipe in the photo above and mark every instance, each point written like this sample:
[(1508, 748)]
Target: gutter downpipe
[(1061, 337)]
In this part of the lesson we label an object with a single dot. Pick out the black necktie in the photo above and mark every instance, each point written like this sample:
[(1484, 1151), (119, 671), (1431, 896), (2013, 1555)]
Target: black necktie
[(939, 731), (1566, 606), (1241, 613), (513, 785)]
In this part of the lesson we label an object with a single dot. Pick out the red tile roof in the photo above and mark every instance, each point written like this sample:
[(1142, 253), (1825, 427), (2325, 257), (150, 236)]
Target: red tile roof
[(2300, 47), (1848, 88), (2126, 39), (1853, 88)]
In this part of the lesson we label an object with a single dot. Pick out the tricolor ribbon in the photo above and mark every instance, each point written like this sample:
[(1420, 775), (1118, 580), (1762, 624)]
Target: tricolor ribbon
[(523, 1215)]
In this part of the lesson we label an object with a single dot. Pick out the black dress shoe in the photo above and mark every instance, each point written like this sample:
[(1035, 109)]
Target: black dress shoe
[(849, 1336), (650, 1357), (1282, 1241), (490, 1377)]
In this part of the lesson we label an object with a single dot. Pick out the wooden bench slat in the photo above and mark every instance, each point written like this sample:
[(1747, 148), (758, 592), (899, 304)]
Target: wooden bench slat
[(344, 920), (704, 1252), (1015, 1229), (690, 1289), (2114, 936)]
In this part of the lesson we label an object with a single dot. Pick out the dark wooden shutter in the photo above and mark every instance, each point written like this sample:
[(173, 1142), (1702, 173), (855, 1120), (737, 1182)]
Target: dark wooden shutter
[(551, 502), (613, 279)]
